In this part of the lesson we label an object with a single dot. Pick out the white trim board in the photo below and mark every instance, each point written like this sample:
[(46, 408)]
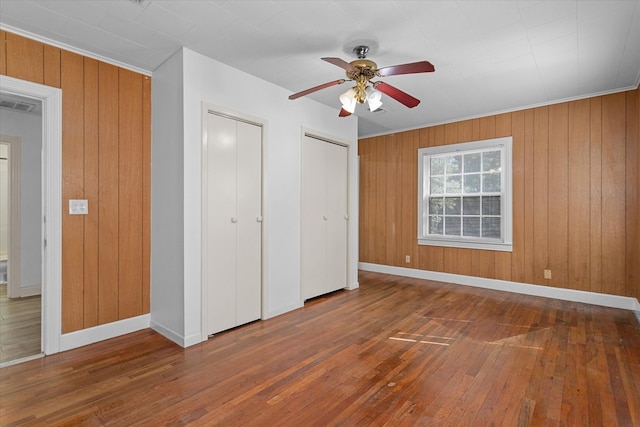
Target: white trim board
[(103, 332), (606, 300)]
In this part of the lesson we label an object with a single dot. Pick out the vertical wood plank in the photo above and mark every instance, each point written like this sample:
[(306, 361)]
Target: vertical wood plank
[(25, 58), (381, 195), (435, 254), (408, 191), (51, 75), (108, 194), (3, 52), (613, 193), (72, 188), (390, 204), (578, 177), (365, 195), (540, 193), (518, 197), (558, 193), (595, 195), (529, 199), (91, 120), (130, 194), (631, 203), (146, 197), (371, 199)]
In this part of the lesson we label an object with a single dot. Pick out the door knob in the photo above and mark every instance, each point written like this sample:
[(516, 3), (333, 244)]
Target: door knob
[(234, 219), (259, 219)]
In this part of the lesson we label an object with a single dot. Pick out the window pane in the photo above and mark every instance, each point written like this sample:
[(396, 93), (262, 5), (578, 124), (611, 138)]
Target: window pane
[(491, 161), (453, 164), (437, 166), (454, 184), (491, 205), (452, 226), (472, 183), (471, 226), (491, 227), (452, 206), (471, 206), (491, 182), (435, 224), (437, 185), (436, 205), (472, 162)]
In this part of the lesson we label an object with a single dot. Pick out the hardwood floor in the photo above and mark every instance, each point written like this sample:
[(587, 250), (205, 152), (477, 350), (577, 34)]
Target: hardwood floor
[(397, 352), (19, 326)]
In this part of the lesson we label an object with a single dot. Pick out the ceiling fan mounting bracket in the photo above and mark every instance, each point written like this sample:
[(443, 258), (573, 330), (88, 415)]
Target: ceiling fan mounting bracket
[(361, 51)]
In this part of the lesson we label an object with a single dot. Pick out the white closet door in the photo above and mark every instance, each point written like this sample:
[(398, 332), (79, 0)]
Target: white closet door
[(314, 214), (221, 233), (249, 225), (336, 231)]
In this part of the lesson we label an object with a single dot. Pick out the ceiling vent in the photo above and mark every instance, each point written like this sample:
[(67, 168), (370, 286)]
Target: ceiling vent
[(141, 3), (10, 104)]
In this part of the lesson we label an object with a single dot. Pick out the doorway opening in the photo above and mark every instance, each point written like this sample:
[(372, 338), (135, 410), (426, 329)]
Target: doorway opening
[(33, 163)]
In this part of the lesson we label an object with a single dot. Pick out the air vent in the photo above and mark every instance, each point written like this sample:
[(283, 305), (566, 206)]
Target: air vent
[(17, 105), (141, 3)]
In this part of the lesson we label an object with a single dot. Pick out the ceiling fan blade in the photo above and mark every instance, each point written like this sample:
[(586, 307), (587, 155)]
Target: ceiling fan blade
[(414, 67), (341, 63), (343, 113), (316, 88), (397, 94)]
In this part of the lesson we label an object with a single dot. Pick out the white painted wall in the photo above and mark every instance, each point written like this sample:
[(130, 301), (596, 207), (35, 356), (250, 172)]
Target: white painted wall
[(29, 128), (205, 80)]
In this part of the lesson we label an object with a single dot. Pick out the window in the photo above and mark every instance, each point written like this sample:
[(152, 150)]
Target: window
[(465, 195)]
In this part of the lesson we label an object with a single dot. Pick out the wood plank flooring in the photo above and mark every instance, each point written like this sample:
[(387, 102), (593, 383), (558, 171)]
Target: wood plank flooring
[(20, 329), (396, 352)]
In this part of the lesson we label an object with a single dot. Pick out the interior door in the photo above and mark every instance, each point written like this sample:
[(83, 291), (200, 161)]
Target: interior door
[(249, 225), (314, 217), (337, 217), (222, 217)]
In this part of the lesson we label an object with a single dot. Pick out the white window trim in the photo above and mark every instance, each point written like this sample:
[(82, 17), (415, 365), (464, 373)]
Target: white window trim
[(506, 244)]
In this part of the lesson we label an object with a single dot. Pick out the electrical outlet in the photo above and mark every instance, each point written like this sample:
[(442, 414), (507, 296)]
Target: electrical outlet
[(407, 259), (547, 274)]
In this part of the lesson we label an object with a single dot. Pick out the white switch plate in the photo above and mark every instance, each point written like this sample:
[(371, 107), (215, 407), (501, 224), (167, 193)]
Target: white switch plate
[(78, 207)]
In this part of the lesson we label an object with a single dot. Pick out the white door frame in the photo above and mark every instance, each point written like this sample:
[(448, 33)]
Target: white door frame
[(13, 241), (215, 109), (51, 99)]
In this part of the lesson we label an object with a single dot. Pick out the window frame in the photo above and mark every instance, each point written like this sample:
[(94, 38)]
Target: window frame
[(505, 144)]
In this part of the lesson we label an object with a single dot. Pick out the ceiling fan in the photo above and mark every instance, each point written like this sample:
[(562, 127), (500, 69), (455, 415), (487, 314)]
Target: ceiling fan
[(362, 71)]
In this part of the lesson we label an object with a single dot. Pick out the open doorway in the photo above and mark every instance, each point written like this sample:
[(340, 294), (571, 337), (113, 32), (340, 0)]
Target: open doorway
[(21, 231), (49, 210)]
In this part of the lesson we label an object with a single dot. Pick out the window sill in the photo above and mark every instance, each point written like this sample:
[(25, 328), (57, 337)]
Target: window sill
[(490, 246)]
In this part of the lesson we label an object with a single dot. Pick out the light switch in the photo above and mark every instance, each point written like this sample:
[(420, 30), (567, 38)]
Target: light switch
[(78, 207)]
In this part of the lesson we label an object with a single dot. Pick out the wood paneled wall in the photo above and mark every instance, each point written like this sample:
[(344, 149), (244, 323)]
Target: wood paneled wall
[(575, 196), (106, 158)]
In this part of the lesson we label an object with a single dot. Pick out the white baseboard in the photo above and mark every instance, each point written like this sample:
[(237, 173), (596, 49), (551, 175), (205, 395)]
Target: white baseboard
[(29, 291), (177, 338), (284, 310), (606, 300), (103, 332)]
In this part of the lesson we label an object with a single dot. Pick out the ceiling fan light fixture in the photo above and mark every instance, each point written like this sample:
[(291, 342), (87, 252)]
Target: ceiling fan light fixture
[(348, 100), (374, 98)]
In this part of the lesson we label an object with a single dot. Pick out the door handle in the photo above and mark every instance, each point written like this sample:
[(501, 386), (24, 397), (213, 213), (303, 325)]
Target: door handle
[(259, 219), (234, 219)]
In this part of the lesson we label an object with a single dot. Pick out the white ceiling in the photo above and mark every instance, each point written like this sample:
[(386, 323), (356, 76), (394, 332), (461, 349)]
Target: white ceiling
[(490, 56)]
